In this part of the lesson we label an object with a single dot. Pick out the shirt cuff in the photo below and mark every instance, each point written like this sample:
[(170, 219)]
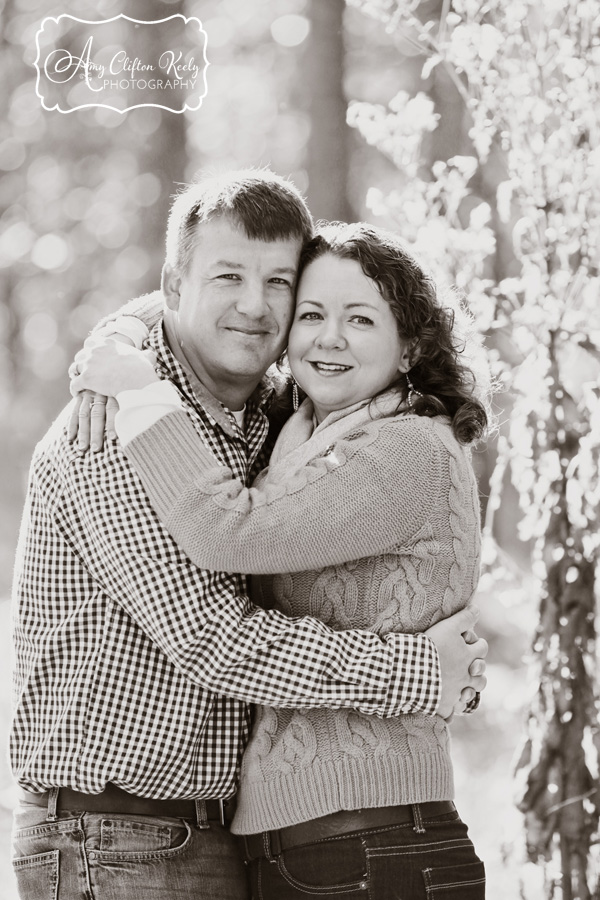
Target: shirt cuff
[(140, 409), (129, 326), (417, 686)]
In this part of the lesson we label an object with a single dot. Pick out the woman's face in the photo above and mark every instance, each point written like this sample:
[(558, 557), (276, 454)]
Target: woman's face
[(344, 344)]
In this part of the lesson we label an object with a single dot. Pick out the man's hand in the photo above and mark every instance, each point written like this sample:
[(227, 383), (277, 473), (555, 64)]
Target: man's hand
[(462, 659)]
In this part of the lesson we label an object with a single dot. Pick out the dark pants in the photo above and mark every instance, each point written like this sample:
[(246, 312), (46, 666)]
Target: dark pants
[(427, 859), (103, 856)]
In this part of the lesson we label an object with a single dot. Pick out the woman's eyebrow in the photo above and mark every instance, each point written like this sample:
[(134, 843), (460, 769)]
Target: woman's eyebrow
[(346, 305), (362, 303)]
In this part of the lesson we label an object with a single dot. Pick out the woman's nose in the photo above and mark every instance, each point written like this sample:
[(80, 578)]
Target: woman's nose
[(331, 336)]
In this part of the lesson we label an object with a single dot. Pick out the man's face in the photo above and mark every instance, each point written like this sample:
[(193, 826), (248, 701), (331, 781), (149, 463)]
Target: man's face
[(232, 309)]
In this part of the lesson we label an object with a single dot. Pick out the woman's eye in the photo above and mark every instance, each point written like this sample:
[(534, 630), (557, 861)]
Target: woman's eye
[(309, 317), (362, 320)]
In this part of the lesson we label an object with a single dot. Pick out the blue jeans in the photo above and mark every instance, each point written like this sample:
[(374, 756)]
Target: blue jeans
[(387, 863), (100, 856)]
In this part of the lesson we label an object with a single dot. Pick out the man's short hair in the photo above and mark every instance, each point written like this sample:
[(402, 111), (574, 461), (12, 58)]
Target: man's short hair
[(266, 206)]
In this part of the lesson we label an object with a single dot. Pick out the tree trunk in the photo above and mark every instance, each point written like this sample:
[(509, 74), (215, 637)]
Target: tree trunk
[(328, 145), (162, 152), (561, 799)]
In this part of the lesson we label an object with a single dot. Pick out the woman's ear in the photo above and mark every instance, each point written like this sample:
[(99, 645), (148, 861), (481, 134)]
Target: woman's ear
[(407, 358), (411, 355), (171, 285)]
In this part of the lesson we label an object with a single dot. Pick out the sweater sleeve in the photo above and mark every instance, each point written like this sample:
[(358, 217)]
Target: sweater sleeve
[(370, 493), (149, 308)]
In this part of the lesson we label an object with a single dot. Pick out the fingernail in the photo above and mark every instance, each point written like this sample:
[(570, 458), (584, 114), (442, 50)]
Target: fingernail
[(112, 435), (95, 448)]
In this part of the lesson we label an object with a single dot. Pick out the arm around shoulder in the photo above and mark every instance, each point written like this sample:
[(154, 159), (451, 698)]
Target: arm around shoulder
[(147, 308), (367, 494)]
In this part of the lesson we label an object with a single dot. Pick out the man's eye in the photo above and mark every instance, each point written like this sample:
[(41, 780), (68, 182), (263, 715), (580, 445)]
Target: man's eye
[(230, 276), (281, 281)]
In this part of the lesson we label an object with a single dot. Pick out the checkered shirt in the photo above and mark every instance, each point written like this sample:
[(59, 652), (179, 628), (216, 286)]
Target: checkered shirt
[(135, 667)]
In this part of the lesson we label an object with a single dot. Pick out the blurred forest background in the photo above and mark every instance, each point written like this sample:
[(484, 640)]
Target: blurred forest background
[(470, 127)]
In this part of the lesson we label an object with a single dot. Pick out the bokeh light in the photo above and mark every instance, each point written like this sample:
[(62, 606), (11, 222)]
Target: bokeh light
[(290, 31)]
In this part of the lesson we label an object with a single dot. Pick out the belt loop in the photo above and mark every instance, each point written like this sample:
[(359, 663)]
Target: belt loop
[(52, 804), (201, 816), (417, 818), (272, 845), (267, 845)]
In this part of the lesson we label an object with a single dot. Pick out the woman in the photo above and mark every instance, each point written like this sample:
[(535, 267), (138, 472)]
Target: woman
[(366, 518)]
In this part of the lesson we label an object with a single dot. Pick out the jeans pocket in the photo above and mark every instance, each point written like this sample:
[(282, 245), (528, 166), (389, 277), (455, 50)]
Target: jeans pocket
[(464, 882), (328, 868), (37, 875), (134, 841), (137, 837)]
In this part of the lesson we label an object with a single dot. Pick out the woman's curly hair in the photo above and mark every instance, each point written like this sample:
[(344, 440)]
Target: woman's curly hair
[(445, 351)]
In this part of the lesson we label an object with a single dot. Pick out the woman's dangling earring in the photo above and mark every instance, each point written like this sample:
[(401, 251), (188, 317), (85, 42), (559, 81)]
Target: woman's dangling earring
[(295, 396), (413, 393)]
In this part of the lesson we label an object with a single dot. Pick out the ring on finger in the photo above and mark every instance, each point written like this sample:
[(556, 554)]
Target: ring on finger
[(474, 703)]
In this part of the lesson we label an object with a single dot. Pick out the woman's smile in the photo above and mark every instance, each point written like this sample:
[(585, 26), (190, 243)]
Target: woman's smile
[(328, 368)]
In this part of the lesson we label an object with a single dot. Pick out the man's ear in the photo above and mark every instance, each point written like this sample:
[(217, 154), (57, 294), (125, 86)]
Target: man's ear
[(170, 284)]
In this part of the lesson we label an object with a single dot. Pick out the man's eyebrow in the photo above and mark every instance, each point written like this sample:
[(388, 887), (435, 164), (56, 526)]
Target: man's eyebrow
[(228, 263)]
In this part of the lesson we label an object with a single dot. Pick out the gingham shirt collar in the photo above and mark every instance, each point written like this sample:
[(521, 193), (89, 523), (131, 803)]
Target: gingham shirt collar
[(172, 363)]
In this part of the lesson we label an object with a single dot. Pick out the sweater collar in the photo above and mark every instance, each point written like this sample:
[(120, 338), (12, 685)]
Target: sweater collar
[(302, 439)]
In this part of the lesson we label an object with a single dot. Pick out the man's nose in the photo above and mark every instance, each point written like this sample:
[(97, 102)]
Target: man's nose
[(252, 300)]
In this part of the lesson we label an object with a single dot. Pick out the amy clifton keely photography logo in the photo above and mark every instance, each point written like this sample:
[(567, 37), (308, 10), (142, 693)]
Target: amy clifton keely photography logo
[(121, 63)]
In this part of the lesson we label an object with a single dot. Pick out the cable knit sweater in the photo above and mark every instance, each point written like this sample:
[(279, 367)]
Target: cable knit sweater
[(379, 531)]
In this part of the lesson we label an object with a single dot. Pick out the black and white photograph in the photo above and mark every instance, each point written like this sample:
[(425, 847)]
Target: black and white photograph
[(300, 404)]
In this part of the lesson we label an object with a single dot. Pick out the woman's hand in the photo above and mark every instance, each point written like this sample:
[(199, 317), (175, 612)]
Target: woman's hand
[(94, 411), (108, 367), (93, 416)]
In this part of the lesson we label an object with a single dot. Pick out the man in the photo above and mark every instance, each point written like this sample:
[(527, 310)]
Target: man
[(133, 668)]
